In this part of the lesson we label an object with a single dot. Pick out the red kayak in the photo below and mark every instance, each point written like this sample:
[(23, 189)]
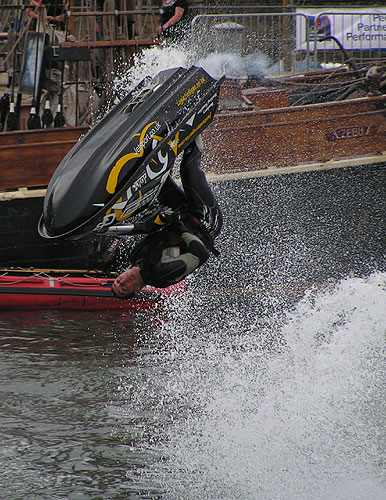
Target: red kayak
[(41, 289)]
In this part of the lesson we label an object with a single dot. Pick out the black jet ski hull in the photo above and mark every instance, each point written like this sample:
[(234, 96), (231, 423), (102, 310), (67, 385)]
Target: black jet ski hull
[(119, 167)]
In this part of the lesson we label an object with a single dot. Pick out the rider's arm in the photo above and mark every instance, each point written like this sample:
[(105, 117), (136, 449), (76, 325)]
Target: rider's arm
[(168, 256), (195, 247), (148, 226), (173, 267)]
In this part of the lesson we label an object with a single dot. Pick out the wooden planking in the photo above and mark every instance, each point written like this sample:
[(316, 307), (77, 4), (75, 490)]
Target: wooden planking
[(289, 136), (41, 135), (267, 98), (259, 139), (110, 44), (29, 158)]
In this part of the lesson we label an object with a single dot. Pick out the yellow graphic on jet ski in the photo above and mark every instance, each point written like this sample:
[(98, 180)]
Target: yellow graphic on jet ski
[(144, 138)]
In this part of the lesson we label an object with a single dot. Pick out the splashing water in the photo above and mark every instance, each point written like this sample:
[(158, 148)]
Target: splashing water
[(240, 403), (148, 64), (159, 58), (239, 411), (218, 64)]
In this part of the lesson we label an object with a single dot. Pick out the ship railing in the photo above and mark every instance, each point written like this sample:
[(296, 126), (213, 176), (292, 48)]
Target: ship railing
[(293, 41), (113, 25), (106, 29), (269, 36)]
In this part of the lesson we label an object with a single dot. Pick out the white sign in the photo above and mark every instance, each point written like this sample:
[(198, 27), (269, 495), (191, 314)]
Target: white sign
[(355, 28)]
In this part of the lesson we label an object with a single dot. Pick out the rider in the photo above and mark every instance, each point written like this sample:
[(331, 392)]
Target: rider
[(168, 255)]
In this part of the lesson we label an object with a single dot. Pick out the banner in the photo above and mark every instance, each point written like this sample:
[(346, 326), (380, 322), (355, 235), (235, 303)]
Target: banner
[(356, 29)]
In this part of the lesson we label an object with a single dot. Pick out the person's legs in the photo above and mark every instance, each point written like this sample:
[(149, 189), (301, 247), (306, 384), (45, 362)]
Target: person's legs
[(171, 195)]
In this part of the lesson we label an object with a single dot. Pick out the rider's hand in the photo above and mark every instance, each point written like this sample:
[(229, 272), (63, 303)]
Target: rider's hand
[(176, 225)]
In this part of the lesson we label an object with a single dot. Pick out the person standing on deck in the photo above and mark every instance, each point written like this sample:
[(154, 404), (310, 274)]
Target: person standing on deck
[(53, 9), (174, 19)]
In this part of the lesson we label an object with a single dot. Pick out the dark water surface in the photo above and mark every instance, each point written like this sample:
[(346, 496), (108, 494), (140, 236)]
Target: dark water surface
[(60, 374), (213, 397), (238, 388)]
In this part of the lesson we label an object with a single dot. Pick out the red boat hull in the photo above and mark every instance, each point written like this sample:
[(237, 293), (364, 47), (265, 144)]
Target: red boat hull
[(65, 292)]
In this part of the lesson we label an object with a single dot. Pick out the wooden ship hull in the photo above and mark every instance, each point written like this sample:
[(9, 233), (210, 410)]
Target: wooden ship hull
[(265, 132), (30, 157), (264, 141), (262, 136)]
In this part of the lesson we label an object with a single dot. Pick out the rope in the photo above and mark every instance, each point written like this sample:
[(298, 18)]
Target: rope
[(60, 279)]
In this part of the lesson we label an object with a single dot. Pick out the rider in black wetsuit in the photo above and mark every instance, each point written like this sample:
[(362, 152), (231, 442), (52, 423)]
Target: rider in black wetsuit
[(168, 255)]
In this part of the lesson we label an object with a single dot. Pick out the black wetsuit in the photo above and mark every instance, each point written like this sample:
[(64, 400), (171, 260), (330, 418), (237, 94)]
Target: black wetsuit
[(177, 31), (166, 257)]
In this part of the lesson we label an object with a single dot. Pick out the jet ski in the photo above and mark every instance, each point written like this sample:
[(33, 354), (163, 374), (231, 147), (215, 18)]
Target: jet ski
[(117, 170)]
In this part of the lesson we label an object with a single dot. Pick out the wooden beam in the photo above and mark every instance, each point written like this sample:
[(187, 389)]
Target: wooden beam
[(110, 43)]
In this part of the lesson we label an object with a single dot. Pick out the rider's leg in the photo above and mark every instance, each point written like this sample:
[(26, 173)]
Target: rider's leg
[(201, 200)]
